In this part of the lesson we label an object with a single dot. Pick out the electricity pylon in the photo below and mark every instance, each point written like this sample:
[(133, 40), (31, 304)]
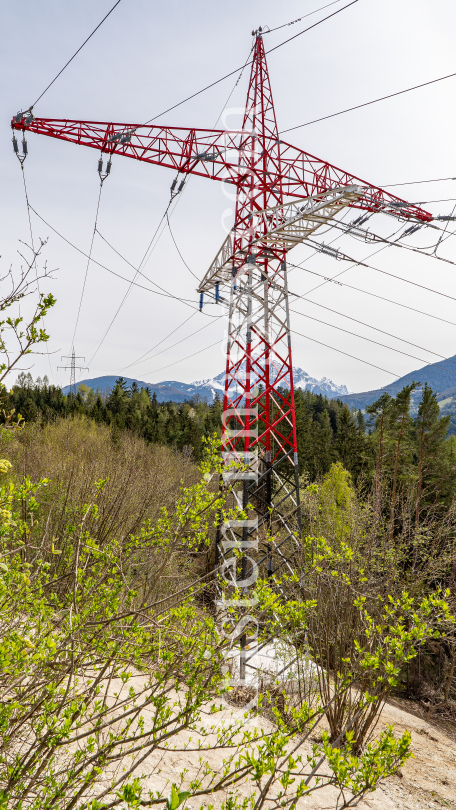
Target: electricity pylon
[(283, 195), (73, 366)]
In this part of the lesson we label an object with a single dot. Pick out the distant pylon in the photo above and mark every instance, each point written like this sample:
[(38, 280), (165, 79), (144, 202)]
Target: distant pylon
[(72, 357)]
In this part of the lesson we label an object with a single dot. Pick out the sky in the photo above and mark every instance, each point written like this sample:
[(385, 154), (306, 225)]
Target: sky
[(147, 57)]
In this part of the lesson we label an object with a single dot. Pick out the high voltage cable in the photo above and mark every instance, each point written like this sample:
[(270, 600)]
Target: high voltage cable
[(314, 340), (369, 340), (34, 261), (399, 278), (428, 202), (208, 87), (75, 54), (164, 294), (156, 242), (137, 272), (349, 231), (183, 358), (172, 211), (366, 292), (388, 243), (367, 103), (210, 323), (417, 182), (87, 265), (369, 326), (161, 341), (180, 254), (293, 22)]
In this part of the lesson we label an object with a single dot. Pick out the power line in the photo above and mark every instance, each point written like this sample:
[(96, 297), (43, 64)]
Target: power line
[(417, 182), (393, 374), (375, 328), (75, 54), (427, 202), (180, 254), (156, 242), (293, 22), (172, 235), (374, 295), (399, 278), (87, 266), (137, 272), (33, 250), (164, 294), (208, 87), (367, 103), (312, 26), (369, 340), (177, 342), (160, 342), (182, 358)]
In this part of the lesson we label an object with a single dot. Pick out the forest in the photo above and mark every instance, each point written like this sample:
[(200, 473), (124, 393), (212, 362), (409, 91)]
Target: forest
[(113, 651), (327, 430)]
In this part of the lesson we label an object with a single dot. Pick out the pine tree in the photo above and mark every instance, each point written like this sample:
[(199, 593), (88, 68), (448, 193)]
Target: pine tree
[(322, 444), (350, 442), (434, 472), (399, 443), (378, 413)]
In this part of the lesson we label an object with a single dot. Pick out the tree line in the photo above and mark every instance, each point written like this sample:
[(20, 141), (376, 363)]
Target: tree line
[(386, 443)]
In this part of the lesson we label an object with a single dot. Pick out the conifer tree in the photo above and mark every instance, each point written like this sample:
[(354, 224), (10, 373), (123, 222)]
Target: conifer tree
[(350, 441), (430, 436), (399, 443)]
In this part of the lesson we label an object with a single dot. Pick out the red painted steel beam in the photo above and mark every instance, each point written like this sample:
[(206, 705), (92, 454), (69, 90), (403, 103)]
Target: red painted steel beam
[(215, 154)]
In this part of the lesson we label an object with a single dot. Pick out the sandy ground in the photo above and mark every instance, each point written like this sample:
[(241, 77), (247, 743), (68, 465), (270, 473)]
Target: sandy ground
[(427, 780)]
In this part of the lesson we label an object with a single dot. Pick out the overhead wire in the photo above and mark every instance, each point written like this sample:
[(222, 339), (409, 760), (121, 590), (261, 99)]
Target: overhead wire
[(375, 328), (428, 202), (180, 254), (398, 278), (367, 292), (210, 323), (368, 103), (137, 272), (340, 351), (87, 265), (154, 371), (34, 254), (209, 86), (161, 341), (417, 182), (293, 22), (369, 340), (164, 294), (179, 197), (75, 54)]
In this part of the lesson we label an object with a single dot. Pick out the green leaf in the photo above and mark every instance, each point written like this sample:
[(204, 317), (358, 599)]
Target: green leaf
[(176, 798)]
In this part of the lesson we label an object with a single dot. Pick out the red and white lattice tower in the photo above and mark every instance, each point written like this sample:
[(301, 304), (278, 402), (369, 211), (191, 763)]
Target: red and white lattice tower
[(283, 194)]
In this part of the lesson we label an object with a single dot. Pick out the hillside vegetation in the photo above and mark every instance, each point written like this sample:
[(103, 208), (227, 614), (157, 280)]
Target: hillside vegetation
[(113, 654)]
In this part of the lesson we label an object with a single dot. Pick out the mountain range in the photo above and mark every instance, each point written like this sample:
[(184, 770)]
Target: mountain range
[(211, 386), (441, 377)]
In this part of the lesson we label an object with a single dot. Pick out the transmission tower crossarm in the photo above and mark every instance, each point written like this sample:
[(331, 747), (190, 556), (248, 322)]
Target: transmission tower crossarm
[(225, 155), (280, 227)]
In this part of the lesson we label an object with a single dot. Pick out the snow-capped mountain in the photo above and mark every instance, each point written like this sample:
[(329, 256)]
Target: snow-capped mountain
[(209, 387), (301, 379)]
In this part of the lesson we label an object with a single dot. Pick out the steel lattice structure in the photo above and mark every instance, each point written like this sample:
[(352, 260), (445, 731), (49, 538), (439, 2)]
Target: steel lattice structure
[(283, 195)]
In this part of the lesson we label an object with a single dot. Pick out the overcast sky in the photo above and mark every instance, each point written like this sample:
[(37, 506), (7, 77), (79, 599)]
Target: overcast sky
[(148, 56)]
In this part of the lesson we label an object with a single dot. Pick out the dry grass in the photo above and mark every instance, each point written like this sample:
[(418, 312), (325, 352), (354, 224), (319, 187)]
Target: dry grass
[(76, 453)]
